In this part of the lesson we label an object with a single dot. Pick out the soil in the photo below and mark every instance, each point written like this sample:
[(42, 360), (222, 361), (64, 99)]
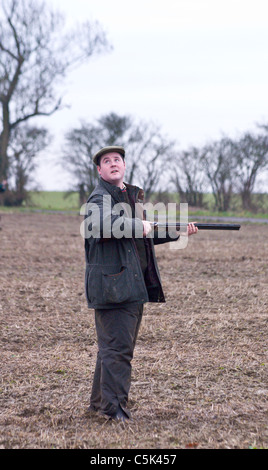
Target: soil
[(199, 377)]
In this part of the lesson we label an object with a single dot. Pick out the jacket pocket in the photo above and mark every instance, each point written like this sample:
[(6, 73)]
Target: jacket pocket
[(116, 286)]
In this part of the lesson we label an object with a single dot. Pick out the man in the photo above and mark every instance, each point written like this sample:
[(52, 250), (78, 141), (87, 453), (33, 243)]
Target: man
[(121, 275)]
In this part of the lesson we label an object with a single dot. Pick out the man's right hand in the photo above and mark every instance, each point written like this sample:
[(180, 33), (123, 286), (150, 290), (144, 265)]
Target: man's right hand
[(147, 227)]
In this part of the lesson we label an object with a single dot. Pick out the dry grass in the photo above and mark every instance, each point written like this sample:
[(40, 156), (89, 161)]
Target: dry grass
[(199, 372)]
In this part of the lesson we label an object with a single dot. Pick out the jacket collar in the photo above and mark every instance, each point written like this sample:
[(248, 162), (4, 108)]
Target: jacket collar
[(134, 191)]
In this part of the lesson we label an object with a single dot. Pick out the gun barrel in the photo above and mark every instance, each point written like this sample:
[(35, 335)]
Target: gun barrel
[(201, 226), (218, 226)]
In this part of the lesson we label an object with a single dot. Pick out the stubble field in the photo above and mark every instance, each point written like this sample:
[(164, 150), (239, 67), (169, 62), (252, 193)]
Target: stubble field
[(200, 367)]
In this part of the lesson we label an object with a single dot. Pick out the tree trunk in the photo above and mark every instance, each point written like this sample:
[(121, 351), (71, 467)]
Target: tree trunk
[(82, 194), (4, 142), (246, 199)]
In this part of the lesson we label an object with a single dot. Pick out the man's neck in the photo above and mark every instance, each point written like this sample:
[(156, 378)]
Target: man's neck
[(120, 184)]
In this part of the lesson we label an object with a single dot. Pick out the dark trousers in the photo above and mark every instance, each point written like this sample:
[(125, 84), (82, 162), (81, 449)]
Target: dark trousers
[(117, 331)]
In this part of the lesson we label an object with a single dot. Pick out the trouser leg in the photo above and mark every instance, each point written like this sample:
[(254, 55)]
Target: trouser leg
[(95, 399), (117, 331), (139, 318)]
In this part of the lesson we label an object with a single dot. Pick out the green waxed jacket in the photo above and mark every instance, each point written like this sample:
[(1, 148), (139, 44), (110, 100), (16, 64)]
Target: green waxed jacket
[(113, 275)]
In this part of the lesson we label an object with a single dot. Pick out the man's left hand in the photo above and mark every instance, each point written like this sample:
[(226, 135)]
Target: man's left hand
[(191, 229)]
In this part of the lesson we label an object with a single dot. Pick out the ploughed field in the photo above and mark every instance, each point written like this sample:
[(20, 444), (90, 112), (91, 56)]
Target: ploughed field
[(200, 366)]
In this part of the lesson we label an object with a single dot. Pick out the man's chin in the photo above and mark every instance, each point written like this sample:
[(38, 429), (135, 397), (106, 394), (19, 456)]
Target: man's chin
[(115, 180)]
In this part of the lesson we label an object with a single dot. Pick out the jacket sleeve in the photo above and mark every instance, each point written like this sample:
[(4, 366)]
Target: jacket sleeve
[(104, 221), (164, 236)]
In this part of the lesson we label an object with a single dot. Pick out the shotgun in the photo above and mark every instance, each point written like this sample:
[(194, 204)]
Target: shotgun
[(200, 226)]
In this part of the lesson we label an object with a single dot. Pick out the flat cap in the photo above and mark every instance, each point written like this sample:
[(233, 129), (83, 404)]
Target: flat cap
[(112, 148)]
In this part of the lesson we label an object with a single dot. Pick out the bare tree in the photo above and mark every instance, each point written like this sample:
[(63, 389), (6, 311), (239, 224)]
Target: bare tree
[(149, 156), (187, 176), (251, 156), (147, 151), (219, 165), (25, 144), (36, 52), (80, 144)]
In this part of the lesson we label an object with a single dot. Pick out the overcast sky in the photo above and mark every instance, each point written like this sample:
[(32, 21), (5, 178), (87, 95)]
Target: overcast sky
[(198, 68)]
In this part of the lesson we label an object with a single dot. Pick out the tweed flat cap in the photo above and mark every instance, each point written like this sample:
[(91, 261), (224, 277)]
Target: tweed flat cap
[(112, 148)]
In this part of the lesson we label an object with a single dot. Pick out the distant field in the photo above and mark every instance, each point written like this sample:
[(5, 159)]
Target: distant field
[(60, 201), (54, 200)]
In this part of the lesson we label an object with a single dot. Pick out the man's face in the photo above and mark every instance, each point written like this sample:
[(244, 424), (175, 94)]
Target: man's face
[(112, 168)]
